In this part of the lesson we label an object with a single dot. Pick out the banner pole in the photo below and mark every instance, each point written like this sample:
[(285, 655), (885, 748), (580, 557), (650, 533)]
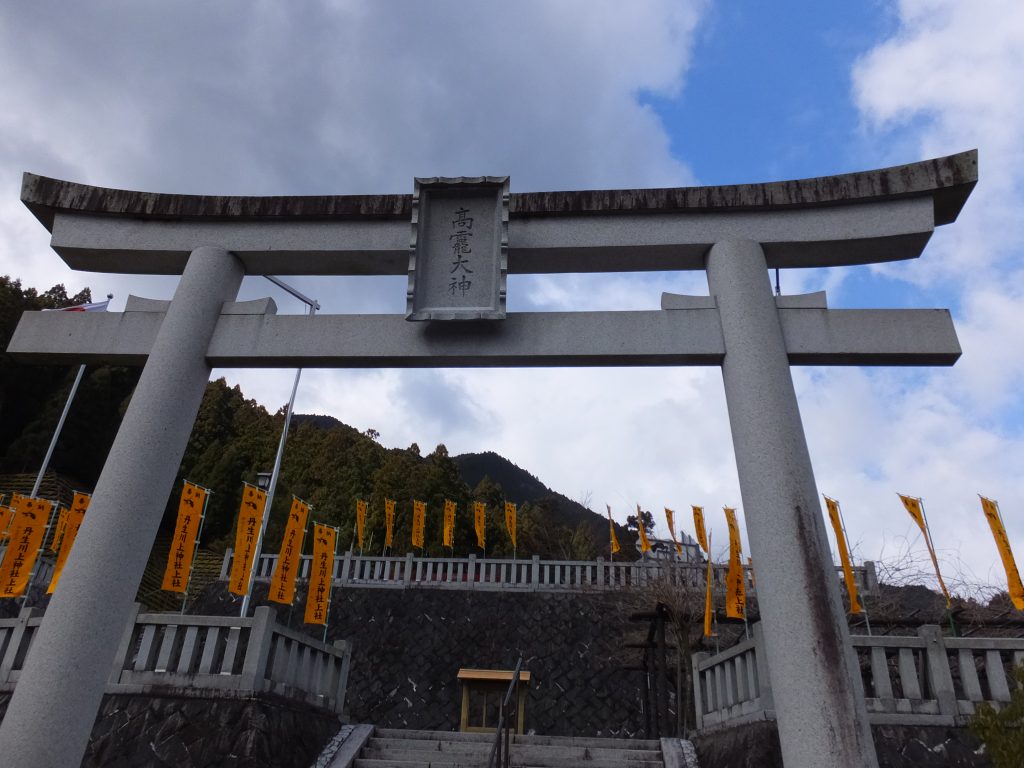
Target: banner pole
[(56, 432), (931, 551), (863, 602), (195, 546)]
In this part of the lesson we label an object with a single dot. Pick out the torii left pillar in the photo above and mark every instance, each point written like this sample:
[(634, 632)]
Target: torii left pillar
[(51, 713)]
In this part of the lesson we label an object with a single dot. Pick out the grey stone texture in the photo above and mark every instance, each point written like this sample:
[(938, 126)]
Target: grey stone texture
[(757, 746), (196, 732), (815, 679), (408, 646), (71, 657), (845, 219), (667, 337)]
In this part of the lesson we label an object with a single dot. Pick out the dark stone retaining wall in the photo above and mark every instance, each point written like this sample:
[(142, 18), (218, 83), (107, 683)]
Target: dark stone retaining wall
[(757, 746), (408, 646), (204, 732)]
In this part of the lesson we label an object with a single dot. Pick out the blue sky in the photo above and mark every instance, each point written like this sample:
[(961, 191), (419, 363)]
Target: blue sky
[(360, 96)]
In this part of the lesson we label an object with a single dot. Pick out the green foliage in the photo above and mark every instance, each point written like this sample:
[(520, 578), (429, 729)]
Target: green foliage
[(326, 463), (1003, 730), (32, 397)]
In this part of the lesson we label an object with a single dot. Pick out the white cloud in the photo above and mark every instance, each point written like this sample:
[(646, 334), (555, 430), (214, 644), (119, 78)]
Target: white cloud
[(947, 80)]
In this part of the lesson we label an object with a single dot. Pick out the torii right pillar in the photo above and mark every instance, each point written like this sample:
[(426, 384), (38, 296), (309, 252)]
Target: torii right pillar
[(811, 662)]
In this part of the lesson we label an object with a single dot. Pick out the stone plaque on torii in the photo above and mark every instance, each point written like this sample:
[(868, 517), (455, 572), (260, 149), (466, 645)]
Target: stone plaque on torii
[(735, 233)]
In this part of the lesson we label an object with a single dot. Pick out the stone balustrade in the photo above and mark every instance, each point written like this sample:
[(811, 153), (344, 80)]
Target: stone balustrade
[(531, 574), (925, 679), (200, 655)]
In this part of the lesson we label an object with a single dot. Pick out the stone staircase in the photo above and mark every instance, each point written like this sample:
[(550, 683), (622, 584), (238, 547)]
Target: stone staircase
[(391, 748)]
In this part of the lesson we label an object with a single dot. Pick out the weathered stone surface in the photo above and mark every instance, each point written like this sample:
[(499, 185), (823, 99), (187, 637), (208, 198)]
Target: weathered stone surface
[(948, 179), (757, 746), (408, 646), (180, 732)]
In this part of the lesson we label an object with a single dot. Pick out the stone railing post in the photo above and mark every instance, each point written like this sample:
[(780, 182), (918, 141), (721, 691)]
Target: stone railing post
[(346, 563), (599, 574), (257, 652), (225, 567), (346, 659), (407, 576), (471, 575), (535, 573), (870, 578), (14, 644), (125, 646), (940, 678), (764, 682), (698, 683)]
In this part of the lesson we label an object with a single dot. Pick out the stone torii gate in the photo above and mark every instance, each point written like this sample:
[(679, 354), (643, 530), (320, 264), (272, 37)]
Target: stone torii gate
[(466, 236)]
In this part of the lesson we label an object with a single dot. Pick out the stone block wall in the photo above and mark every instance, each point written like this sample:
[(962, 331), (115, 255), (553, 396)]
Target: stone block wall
[(204, 732), (408, 646)]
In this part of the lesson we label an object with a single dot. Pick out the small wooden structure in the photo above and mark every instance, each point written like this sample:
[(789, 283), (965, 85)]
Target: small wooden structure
[(488, 686)]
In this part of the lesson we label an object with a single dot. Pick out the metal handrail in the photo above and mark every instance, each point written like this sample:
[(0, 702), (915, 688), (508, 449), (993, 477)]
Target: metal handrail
[(497, 753)]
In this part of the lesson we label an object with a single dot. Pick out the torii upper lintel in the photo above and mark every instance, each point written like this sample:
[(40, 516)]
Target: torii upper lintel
[(854, 218)]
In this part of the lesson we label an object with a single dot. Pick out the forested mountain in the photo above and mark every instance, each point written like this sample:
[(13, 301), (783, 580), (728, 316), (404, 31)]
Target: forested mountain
[(327, 463)]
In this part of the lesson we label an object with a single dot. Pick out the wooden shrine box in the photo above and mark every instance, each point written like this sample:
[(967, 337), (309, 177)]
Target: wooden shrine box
[(486, 688)]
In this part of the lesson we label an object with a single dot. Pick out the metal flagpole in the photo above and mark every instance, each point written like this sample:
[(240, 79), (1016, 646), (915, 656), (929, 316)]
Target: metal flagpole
[(56, 432), (60, 423), (863, 602), (314, 305), (195, 546), (931, 551)]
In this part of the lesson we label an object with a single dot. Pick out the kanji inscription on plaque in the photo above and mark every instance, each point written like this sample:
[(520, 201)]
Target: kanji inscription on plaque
[(458, 257)]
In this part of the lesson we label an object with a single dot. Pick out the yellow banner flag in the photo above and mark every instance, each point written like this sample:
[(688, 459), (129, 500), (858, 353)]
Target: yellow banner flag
[(645, 545), (321, 573), (419, 519), (995, 522), (282, 583), (669, 518), (510, 521), (735, 586), (449, 523), (916, 509), (249, 517), (709, 607), (186, 531), (6, 515), (480, 523), (613, 539), (360, 521), (844, 554), (389, 522), (913, 506), (26, 537), (698, 525), (59, 528), (72, 522)]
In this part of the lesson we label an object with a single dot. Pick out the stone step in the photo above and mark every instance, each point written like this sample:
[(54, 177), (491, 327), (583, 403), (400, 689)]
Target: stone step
[(552, 757), (538, 739), (416, 760), (383, 747)]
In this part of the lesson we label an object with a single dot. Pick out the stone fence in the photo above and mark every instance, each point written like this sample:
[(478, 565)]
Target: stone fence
[(202, 655), (924, 680), (528, 575)]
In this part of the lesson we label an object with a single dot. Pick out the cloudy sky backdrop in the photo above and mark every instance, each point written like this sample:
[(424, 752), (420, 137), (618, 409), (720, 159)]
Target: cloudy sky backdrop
[(360, 96)]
